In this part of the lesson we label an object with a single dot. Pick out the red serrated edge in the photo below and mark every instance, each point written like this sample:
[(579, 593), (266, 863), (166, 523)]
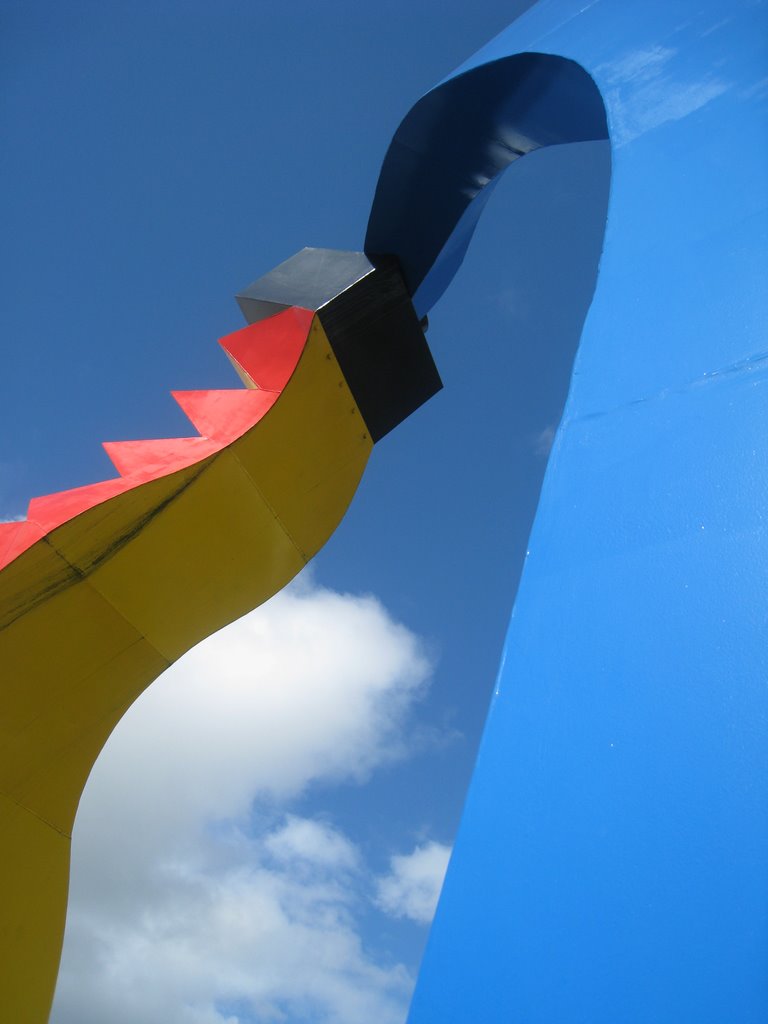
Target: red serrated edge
[(265, 354)]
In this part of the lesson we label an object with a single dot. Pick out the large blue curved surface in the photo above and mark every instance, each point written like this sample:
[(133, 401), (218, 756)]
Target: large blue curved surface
[(612, 863)]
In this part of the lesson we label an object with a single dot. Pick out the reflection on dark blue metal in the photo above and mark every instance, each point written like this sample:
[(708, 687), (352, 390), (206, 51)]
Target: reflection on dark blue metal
[(612, 863), (455, 142)]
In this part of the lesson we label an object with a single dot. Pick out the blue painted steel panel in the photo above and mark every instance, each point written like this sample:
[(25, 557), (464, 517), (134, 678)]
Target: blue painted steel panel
[(612, 864), (455, 142)]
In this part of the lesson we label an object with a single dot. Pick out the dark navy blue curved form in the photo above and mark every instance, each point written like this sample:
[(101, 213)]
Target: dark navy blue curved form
[(612, 862), (452, 146)]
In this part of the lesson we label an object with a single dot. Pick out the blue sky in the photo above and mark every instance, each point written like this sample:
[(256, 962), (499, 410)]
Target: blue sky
[(157, 158)]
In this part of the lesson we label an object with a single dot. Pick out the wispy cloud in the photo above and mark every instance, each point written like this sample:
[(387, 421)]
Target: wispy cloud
[(412, 887), (194, 900)]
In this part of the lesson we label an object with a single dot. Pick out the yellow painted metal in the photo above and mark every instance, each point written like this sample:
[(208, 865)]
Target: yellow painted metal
[(93, 613)]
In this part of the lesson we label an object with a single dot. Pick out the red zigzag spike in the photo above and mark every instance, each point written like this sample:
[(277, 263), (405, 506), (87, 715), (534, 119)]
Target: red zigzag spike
[(225, 415), (265, 354), (147, 460)]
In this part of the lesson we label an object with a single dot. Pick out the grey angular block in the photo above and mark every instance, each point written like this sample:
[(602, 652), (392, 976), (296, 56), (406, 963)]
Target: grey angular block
[(371, 324)]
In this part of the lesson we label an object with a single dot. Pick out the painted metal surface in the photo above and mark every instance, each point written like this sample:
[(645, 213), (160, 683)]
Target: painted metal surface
[(369, 318), (612, 863), (104, 586), (451, 147), (612, 860)]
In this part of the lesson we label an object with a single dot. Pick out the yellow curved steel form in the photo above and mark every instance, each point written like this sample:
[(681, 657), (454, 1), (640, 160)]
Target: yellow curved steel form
[(101, 603)]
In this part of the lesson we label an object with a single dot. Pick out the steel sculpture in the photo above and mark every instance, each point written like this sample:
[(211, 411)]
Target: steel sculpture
[(612, 861), (611, 864), (104, 586)]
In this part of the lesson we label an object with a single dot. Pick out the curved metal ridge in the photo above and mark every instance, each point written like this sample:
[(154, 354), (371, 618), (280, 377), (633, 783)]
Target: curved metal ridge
[(451, 147), (104, 586)]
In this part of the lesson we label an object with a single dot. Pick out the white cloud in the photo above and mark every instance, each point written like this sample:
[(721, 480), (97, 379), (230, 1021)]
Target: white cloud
[(412, 887), (190, 903), (230, 927), (311, 842)]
